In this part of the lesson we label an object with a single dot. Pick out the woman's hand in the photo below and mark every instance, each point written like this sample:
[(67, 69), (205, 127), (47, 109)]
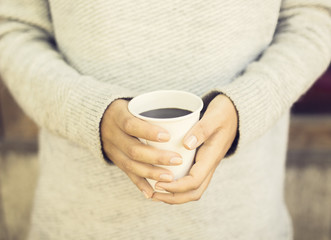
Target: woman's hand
[(119, 133), (215, 133)]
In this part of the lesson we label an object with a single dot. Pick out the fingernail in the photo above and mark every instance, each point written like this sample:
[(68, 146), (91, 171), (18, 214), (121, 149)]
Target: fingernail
[(166, 177), (145, 194), (162, 136), (191, 142), (176, 160)]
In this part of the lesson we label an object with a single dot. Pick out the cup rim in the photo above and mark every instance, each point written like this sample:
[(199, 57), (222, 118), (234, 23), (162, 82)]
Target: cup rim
[(150, 119)]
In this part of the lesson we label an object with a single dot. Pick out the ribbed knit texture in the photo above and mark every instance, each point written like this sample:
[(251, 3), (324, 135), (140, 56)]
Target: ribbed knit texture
[(66, 61)]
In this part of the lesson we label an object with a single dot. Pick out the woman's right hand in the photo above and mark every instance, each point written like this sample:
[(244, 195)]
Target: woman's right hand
[(119, 133)]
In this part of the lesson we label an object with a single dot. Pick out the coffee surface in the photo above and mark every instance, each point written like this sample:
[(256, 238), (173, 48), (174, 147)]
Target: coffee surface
[(166, 113)]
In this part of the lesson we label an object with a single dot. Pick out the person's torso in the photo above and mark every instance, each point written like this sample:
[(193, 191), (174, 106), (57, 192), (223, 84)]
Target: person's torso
[(145, 45)]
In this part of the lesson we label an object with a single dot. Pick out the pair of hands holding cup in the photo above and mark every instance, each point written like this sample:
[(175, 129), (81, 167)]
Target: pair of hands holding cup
[(213, 134)]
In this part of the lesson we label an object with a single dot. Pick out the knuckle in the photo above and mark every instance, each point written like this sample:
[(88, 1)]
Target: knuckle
[(151, 134), (160, 160), (133, 152), (204, 130), (151, 174), (195, 196), (128, 124), (127, 165), (196, 185), (138, 182), (173, 200)]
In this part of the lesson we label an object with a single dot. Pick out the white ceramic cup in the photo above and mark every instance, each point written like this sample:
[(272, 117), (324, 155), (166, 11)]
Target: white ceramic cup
[(177, 127)]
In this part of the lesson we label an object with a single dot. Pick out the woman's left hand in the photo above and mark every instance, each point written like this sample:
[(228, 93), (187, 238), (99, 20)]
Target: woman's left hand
[(215, 132)]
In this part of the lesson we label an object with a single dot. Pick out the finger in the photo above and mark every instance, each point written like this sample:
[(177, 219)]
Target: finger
[(180, 198), (202, 130), (207, 159), (142, 185), (138, 128), (140, 169), (140, 152)]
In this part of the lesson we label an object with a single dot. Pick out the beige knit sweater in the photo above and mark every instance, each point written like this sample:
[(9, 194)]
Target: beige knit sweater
[(65, 61)]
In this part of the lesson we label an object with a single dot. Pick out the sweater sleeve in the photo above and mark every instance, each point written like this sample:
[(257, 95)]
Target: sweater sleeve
[(298, 55), (52, 93)]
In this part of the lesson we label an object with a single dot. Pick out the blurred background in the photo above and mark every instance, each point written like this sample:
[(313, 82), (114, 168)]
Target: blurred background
[(308, 170)]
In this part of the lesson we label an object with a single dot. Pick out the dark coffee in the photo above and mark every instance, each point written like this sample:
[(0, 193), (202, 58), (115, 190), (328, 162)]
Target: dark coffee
[(166, 113)]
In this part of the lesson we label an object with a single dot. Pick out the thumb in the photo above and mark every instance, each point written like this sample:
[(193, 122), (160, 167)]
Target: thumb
[(220, 113), (199, 133)]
